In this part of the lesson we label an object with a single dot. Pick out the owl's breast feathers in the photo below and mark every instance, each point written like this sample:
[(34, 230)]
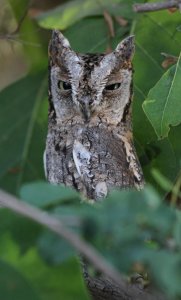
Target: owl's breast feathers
[(105, 159), (92, 159)]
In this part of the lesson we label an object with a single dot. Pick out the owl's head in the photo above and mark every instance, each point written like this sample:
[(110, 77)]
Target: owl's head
[(90, 84)]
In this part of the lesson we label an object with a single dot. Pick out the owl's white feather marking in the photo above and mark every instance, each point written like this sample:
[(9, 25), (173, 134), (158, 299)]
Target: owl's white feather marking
[(75, 68), (101, 189), (101, 73), (81, 158), (72, 62), (99, 76), (45, 163), (131, 159)]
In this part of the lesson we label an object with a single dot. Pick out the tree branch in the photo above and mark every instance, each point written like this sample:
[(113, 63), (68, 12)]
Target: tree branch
[(148, 7), (105, 289)]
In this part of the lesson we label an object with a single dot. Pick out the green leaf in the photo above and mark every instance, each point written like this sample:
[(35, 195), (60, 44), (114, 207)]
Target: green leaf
[(164, 155), (177, 229), (162, 106), (18, 227), (43, 194), (147, 61), (53, 249), (68, 13), (51, 282), (125, 222), (162, 180), (166, 270), (22, 132), (13, 285), (97, 40)]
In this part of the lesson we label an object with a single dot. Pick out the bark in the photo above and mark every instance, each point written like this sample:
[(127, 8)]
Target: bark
[(149, 7), (105, 289)]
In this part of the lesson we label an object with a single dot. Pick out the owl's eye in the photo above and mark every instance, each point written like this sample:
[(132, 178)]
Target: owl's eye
[(112, 87), (63, 85)]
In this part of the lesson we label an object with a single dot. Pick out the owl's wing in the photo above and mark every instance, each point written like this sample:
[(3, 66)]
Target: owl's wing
[(45, 163)]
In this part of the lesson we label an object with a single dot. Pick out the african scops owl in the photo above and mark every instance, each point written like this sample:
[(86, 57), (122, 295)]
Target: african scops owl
[(89, 143)]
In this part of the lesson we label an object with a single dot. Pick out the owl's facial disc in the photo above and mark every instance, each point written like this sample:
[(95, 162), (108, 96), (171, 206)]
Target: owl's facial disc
[(89, 83)]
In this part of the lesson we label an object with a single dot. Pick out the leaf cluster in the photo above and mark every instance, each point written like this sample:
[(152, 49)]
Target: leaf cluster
[(136, 231)]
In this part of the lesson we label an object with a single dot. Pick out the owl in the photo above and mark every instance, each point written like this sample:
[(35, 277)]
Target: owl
[(89, 143)]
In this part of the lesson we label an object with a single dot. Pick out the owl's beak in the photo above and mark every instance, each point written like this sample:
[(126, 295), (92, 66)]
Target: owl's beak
[(86, 107), (86, 112)]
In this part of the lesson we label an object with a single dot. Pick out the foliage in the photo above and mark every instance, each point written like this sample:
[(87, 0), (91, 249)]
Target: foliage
[(135, 231), (67, 14), (163, 114), (131, 224)]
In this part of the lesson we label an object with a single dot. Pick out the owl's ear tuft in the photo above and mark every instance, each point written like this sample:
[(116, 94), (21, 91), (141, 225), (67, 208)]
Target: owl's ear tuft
[(59, 38), (126, 48), (57, 43)]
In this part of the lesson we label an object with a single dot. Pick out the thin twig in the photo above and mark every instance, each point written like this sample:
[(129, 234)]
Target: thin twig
[(14, 34), (109, 21), (169, 60), (148, 7), (20, 22), (15, 38), (56, 226)]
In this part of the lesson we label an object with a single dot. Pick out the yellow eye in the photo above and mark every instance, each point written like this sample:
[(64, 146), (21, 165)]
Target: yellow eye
[(63, 85), (112, 87)]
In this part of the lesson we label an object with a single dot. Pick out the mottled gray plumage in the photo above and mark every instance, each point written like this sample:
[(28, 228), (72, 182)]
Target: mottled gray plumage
[(89, 143)]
